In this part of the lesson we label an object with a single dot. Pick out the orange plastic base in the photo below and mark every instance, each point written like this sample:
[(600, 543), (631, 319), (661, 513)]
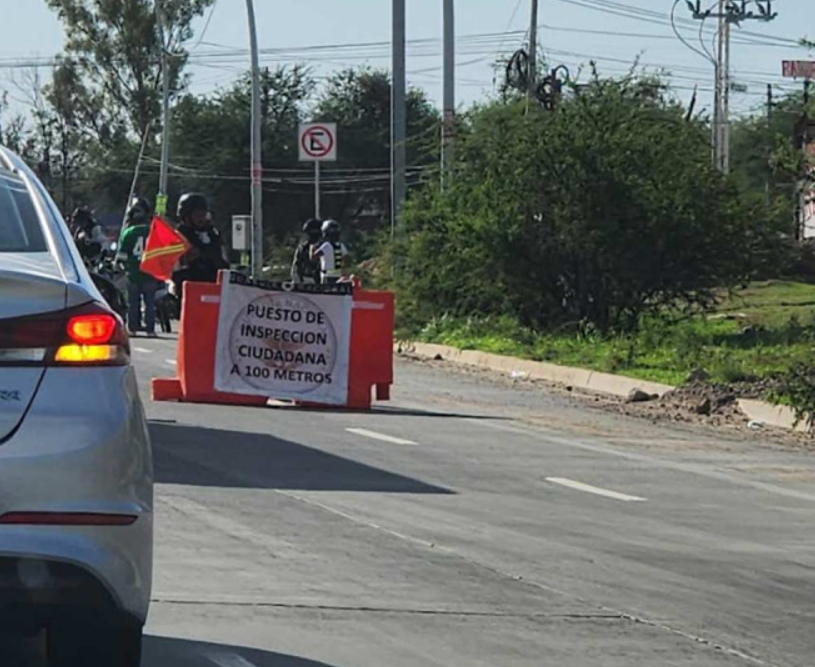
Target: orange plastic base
[(166, 389)]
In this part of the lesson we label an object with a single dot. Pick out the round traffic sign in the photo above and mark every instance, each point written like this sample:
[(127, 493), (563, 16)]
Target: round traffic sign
[(318, 141)]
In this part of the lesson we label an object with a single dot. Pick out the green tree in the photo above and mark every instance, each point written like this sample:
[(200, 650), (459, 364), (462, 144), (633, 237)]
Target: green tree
[(211, 150), (597, 213), (764, 157), (359, 101), (116, 47)]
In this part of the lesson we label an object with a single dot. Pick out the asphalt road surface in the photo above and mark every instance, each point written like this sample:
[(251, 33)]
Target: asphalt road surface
[(470, 523)]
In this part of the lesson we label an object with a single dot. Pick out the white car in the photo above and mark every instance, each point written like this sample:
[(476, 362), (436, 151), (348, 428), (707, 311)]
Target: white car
[(76, 473)]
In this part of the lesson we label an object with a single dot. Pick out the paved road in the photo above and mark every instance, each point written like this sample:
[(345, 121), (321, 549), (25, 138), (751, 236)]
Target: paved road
[(472, 524)]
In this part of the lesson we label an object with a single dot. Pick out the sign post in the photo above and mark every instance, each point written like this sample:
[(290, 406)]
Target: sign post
[(317, 144), (317, 212)]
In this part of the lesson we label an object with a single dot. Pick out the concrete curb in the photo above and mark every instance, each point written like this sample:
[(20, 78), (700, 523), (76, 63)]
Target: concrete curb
[(773, 415), (580, 378)]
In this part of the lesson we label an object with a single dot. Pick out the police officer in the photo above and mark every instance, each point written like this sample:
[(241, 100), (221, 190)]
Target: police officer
[(208, 254), (89, 236), (332, 253), (306, 269)]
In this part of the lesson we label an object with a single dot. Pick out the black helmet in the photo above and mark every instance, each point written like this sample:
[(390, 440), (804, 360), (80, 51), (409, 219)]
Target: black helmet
[(138, 213), (191, 202), (312, 226), (82, 216)]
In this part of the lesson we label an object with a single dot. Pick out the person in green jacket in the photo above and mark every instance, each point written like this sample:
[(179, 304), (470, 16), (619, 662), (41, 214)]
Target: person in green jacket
[(140, 286)]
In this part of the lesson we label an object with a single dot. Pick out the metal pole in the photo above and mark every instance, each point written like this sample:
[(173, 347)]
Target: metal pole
[(726, 100), (717, 121), (257, 156), (533, 51), (804, 189), (161, 201), (317, 212), (448, 123), (398, 113), (768, 186)]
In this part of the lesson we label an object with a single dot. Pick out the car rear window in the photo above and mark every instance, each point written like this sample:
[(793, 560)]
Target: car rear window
[(20, 226)]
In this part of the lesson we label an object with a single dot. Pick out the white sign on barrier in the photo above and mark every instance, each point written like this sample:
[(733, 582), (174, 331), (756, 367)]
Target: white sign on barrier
[(284, 341)]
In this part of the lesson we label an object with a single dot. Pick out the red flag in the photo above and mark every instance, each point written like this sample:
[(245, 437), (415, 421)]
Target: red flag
[(165, 246)]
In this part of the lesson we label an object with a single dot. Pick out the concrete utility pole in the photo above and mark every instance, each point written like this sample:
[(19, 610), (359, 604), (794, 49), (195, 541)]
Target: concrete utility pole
[(724, 164), (533, 51), (398, 114), (166, 119), (728, 12), (257, 147), (449, 120)]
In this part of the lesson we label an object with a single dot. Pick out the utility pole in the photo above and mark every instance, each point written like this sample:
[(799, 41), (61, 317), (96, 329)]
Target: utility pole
[(449, 117), (768, 186), (533, 52), (804, 203), (728, 12), (257, 148), (725, 112), (398, 114), (166, 120)]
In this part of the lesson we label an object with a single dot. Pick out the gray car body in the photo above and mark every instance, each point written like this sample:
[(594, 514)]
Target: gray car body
[(71, 439)]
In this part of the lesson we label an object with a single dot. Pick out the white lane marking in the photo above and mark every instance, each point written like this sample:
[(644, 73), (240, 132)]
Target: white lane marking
[(550, 436), (143, 350), (171, 362), (596, 490), (365, 433), (229, 660)]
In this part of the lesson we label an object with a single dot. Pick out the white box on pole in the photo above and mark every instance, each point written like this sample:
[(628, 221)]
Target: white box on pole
[(241, 232)]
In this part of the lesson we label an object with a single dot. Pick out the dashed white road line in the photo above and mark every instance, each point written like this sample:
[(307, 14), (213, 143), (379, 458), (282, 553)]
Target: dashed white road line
[(143, 350), (365, 433), (229, 660), (596, 490)]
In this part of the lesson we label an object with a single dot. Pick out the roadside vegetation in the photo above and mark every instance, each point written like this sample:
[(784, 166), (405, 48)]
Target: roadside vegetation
[(754, 334)]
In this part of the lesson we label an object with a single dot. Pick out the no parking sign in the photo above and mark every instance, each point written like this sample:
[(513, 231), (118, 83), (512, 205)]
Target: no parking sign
[(318, 142)]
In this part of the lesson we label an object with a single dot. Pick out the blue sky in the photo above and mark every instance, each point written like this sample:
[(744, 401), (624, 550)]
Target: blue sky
[(573, 32)]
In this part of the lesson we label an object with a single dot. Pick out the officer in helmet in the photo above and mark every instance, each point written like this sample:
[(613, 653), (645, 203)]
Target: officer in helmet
[(332, 253), (208, 254), (305, 269), (89, 236)]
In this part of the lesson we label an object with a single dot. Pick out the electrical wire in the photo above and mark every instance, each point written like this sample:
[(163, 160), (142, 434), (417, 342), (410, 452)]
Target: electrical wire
[(679, 35)]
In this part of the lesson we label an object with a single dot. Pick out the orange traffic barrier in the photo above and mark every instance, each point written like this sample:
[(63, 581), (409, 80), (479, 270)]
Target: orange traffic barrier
[(370, 363), (196, 352)]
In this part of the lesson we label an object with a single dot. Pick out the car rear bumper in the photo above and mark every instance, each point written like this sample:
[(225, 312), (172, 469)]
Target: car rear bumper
[(83, 448), (37, 593)]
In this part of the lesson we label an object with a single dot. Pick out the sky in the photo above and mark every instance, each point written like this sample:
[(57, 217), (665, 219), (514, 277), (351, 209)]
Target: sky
[(327, 34)]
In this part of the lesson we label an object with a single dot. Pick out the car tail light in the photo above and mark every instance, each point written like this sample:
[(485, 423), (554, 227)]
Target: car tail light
[(90, 335)]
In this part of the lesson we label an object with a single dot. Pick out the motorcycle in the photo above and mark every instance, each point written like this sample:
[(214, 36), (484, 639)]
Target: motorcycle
[(167, 306), (108, 281)]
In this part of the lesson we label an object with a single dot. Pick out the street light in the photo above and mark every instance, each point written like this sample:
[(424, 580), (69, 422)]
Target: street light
[(257, 157)]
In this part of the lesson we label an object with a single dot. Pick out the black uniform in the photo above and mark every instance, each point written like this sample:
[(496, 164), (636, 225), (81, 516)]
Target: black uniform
[(305, 269), (211, 259)]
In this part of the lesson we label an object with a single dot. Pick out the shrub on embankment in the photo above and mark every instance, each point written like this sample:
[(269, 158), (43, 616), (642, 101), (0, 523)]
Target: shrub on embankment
[(591, 216)]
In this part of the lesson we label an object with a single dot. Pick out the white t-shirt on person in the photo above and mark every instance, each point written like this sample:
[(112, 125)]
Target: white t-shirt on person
[(328, 260)]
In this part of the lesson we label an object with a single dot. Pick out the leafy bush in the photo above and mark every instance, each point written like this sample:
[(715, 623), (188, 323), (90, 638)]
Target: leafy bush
[(797, 389), (594, 215)]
